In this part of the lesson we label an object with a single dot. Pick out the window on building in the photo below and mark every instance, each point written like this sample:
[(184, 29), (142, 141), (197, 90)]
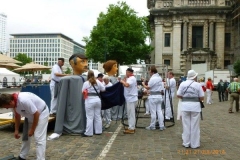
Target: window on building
[(197, 37), (167, 40), (226, 63), (227, 40), (167, 62)]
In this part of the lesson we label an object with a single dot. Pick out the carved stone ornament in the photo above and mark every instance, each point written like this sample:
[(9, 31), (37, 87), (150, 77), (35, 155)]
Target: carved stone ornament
[(167, 24)]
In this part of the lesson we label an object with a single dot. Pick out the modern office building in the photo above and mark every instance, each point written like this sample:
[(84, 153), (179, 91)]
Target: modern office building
[(3, 33), (45, 47), (190, 32)]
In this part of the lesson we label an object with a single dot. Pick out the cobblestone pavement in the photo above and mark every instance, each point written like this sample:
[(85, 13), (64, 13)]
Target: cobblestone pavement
[(220, 139)]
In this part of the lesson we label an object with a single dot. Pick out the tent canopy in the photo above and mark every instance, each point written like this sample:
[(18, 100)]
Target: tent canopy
[(4, 71)]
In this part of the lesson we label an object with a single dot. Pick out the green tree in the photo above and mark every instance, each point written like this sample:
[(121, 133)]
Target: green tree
[(23, 58), (68, 71), (236, 67), (47, 71), (120, 35)]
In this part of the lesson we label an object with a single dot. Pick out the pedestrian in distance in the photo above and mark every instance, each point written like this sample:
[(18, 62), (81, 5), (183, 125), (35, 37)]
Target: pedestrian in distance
[(221, 90), (234, 90)]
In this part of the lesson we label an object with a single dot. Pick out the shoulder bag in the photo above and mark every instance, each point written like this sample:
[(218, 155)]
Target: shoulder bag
[(102, 102)]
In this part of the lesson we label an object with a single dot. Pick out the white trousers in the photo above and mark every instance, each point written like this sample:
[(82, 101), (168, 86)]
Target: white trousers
[(93, 114), (168, 109), (131, 114), (53, 107), (40, 136), (209, 96), (156, 109), (107, 115), (147, 105), (191, 129)]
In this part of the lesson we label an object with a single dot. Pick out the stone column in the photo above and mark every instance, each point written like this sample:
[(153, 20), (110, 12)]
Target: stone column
[(176, 44), (205, 35), (219, 43), (190, 35), (185, 36), (211, 36), (158, 42)]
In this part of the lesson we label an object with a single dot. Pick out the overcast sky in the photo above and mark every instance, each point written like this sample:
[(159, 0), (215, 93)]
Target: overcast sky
[(74, 18)]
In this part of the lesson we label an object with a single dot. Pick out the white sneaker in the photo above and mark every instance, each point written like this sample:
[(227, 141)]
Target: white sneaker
[(150, 128), (146, 114), (107, 126), (162, 128)]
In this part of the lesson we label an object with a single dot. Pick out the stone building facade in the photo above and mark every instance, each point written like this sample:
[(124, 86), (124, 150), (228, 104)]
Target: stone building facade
[(187, 32)]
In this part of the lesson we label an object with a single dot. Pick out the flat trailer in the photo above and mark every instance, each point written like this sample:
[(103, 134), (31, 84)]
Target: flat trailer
[(8, 119)]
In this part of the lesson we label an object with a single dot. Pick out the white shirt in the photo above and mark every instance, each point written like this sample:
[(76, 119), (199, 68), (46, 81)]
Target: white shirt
[(156, 85), (194, 90), (131, 92), (28, 103), (99, 87), (108, 85), (113, 79), (172, 85), (55, 69)]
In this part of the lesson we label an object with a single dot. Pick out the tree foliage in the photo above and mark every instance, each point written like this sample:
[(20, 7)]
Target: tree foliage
[(23, 58), (236, 67), (47, 71), (119, 35), (68, 71)]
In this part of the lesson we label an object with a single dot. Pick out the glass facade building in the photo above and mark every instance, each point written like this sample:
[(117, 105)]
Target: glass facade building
[(45, 47), (3, 33)]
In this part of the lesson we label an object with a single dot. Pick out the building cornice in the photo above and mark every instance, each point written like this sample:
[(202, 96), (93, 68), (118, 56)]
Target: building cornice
[(191, 10)]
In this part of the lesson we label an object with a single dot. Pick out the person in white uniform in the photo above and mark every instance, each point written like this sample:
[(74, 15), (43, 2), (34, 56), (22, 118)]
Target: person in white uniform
[(191, 93), (33, 108), (131, 98), (107, 113), (156, 87), (170, 92), (93, 105), (55, 78)]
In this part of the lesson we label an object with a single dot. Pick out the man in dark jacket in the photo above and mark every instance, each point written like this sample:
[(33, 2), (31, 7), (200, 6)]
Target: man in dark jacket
[(226, 84), (221, 90)]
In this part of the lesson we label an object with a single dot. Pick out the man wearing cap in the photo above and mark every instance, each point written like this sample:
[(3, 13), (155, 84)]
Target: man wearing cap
[(131, 97), (55, 78), (191, 93), (209, 90)]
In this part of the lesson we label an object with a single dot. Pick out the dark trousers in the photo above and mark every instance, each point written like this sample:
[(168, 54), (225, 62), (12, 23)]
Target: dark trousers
[(226, 96), (221, 96)]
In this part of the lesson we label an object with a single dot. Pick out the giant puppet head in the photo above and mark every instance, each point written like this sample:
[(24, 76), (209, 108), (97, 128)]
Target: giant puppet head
[(110, 67), (79, 63)]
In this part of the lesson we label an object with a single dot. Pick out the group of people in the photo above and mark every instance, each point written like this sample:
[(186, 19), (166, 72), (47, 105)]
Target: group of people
[(190, 92)]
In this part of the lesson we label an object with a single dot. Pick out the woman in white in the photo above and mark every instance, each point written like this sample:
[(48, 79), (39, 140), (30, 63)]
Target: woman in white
[(93, 105), (191, 93)]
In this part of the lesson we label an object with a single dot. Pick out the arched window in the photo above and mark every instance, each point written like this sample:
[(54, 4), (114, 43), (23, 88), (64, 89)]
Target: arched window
[(14, 81), (5, 82)]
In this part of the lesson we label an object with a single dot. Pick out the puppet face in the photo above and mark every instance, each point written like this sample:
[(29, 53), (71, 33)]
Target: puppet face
[(80, 67), (114, 69)]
